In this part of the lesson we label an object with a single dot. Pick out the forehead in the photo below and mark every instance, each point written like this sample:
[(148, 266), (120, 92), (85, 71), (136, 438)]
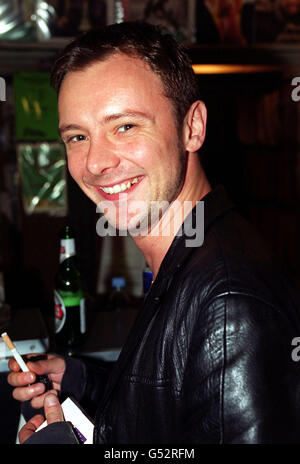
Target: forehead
[(117, 86), (118, 76)]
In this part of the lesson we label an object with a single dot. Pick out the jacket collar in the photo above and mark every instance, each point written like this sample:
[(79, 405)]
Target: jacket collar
[(216, 204)]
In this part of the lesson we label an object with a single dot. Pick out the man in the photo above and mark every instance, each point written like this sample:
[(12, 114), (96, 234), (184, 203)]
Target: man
[(209, 357)]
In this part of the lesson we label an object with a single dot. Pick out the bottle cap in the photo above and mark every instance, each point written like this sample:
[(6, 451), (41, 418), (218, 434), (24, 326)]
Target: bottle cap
[(118, 282)]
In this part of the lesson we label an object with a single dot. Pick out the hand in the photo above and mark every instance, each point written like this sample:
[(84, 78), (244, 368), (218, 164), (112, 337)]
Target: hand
[(54, 366), (53, 413)]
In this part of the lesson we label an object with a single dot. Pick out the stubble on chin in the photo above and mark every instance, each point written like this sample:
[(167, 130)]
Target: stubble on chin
[(151, 221), (143, 217)]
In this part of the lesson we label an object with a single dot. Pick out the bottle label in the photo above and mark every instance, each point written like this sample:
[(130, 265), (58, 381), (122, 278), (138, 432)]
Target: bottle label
[(67, 249), (61, 302), (59, 312)]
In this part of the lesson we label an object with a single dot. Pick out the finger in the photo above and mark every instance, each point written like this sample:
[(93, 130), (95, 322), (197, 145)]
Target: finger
[(30, 427), (20, 379), (52, 365), (29, 392), (37, 402), (13, 365), (52, 408)]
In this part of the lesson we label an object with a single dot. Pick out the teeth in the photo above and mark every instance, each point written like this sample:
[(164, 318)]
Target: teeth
[(120, 187), (116, 188)]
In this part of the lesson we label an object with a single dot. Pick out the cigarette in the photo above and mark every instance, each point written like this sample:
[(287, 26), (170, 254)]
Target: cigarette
[(14, 352)]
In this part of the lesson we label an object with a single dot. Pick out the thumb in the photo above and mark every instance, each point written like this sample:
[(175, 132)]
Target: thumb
[(52, 408)]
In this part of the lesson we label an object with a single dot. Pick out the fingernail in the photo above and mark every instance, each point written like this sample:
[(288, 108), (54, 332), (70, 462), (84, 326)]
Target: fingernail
[(29, 377), (36, 388), (51, 400)]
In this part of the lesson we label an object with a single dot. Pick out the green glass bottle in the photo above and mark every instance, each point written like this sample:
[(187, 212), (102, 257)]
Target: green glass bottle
[(69, 302)]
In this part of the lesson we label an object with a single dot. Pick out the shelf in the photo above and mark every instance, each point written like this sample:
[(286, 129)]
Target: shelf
[(16, 56), (29, 56)]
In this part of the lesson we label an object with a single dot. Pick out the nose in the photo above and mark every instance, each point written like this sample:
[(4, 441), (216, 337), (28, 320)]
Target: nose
[(101, 157)]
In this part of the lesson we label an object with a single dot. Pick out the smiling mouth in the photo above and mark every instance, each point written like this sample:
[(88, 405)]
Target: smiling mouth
[(118, 188)]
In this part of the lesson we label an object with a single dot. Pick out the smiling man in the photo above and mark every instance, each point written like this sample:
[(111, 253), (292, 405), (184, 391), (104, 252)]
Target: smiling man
[(124, 147), (120, 140), (208, 359)]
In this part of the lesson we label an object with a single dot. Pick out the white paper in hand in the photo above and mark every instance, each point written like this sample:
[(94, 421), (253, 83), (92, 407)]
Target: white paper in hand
[(83, 427)]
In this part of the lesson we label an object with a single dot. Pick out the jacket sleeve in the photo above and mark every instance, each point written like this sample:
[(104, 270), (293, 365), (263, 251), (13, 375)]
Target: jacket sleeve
[(85, 380), (240, 383), (60, 433)]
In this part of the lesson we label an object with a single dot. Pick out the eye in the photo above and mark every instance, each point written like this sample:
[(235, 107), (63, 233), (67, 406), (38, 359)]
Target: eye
[(75, 138), (125, 127)]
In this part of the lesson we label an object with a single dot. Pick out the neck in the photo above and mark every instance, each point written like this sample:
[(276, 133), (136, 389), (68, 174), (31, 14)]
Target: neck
[(155, 245)]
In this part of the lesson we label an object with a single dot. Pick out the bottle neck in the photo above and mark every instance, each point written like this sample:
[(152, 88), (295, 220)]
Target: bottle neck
[(67, 249)]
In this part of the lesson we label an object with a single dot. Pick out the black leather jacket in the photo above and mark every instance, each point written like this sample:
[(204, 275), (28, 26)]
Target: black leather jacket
[(209, 357)]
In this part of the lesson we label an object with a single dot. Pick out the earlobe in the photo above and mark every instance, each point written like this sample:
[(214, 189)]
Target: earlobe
[(195, 126)]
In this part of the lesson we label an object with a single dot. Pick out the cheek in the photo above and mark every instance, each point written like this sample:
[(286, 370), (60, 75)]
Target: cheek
[(140, 151), (74, 167), (148, 149)]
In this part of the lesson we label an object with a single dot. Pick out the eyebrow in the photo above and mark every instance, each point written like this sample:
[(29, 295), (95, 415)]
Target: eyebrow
[(66, 127), (111, 117), (128, 114)]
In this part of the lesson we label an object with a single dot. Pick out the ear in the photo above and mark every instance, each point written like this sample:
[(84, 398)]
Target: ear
[(194, 126)]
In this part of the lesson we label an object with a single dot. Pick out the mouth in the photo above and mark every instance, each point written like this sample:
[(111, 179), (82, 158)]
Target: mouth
[(112, 192)]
